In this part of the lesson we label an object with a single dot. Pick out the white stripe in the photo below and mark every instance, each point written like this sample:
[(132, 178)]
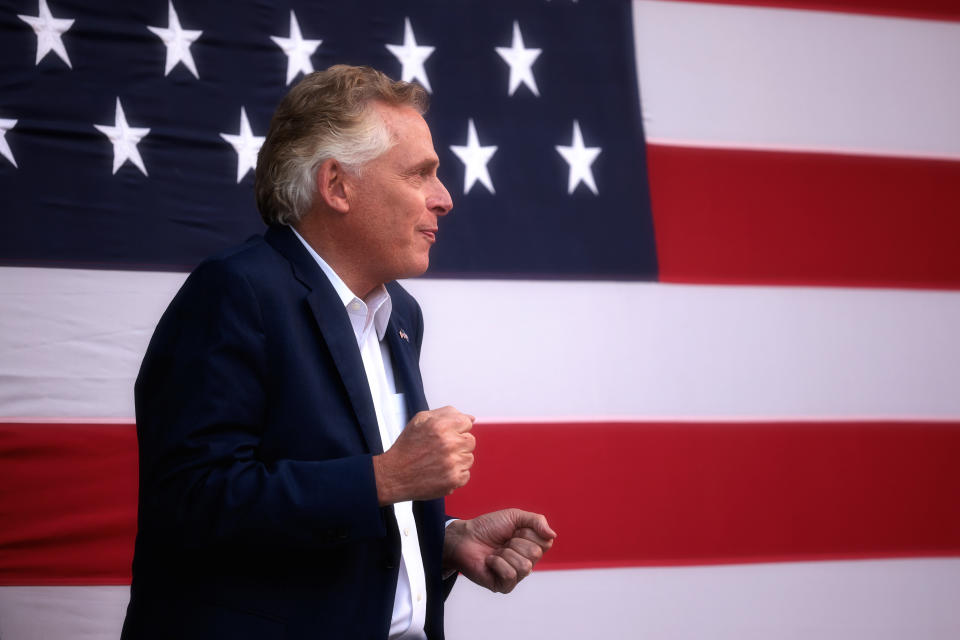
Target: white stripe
[(522, 349), (71, 342), (865, 600), (868, 600), (62, 613), (747, 77)]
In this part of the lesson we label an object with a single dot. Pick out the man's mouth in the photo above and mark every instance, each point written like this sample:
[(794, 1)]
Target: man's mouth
[(430, 233)]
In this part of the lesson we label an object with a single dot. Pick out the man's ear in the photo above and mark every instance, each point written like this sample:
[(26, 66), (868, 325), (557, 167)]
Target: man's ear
[(331, 185)]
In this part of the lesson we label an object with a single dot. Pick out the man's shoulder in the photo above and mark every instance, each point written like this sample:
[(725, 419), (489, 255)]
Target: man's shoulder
[(249, 271), (248, 256), (254, 261)]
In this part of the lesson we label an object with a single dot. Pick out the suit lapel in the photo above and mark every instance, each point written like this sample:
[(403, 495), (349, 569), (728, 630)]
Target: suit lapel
[(342, 343), (405, 366), (331, 317)]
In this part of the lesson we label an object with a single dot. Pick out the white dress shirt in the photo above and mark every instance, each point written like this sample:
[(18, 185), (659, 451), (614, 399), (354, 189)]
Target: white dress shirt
[(369, 318)]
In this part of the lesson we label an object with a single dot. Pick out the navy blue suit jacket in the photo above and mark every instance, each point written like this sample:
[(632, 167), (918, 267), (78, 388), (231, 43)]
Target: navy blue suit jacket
[(258, 514)]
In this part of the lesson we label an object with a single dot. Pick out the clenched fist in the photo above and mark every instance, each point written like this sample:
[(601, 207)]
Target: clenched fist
[(430, 459), (497, 550)]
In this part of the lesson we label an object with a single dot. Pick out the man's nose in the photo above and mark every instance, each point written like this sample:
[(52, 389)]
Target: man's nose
[(440, 201)]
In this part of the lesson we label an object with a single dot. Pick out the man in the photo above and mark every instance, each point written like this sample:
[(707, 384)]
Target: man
[(291, 475)]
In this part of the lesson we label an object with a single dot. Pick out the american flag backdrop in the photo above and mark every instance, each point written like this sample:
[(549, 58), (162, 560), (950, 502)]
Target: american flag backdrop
[(700, 287)]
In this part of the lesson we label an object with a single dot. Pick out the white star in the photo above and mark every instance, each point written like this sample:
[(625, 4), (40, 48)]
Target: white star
[(178, 41), (579, 158), (49, 32), (521, 62), (246, 145), (297, 49), (411, 56), (124, 139), (6, 125), (475, 159)]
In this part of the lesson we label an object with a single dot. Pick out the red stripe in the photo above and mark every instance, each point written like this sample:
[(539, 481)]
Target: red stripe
[(762, 217), (621, 494), (672, 493), (926, 9), (68, 503)]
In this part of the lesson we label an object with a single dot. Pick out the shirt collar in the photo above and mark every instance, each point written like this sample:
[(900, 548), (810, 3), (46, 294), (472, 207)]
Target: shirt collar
[(377, 303)]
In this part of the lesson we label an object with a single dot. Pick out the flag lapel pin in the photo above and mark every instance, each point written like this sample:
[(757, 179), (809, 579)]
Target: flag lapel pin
[(403, 334)]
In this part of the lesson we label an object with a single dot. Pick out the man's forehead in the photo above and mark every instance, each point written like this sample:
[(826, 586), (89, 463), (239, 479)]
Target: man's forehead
[(409, 132), (401, 119)]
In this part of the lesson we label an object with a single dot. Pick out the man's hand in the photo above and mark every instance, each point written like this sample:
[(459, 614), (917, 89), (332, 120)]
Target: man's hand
[(497, 550), (430, 459)]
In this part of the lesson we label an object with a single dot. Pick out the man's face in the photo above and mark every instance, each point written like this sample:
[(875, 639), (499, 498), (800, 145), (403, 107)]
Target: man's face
[(397, 201)]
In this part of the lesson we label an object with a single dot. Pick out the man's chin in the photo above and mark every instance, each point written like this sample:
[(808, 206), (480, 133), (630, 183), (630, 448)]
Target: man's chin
[(419, 271), (414, 269)]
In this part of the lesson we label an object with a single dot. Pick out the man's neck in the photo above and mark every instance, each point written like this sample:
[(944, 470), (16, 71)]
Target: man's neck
[(324, 241)]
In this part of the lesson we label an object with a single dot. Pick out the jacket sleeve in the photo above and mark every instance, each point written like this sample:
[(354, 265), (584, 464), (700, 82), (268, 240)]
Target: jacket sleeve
[(201, 400)]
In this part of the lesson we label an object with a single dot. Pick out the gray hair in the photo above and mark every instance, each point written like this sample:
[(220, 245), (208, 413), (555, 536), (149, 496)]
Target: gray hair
[(326, 115)]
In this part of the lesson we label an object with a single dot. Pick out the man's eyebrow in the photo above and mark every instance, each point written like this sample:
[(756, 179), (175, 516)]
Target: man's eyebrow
[(428, 163)]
